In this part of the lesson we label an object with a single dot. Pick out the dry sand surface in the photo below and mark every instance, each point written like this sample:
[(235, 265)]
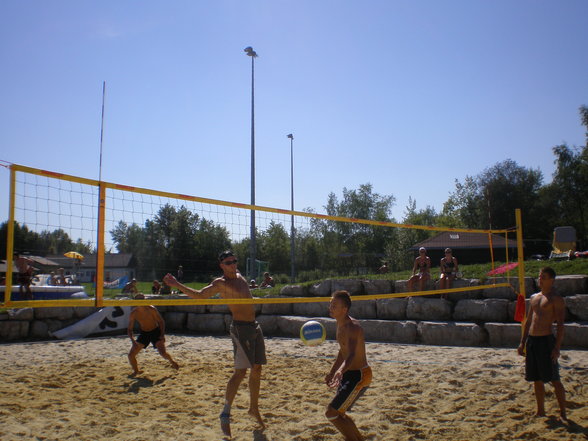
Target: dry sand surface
[(81, 390)]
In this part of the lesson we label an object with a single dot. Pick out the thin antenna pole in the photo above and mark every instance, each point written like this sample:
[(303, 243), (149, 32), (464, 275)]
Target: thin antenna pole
[(102, 130), (489, 209)]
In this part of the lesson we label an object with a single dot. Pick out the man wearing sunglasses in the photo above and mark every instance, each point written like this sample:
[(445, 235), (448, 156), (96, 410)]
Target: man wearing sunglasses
[(248, 344)]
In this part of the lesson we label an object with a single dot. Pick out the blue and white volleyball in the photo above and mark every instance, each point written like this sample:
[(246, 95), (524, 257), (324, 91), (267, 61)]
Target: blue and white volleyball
[(312, 333)]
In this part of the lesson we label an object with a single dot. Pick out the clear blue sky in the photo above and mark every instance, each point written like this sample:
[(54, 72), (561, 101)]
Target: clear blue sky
[(407, 95)]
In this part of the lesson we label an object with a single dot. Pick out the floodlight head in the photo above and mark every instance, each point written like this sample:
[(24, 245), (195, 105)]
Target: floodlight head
[(250, 52), (291, 136)]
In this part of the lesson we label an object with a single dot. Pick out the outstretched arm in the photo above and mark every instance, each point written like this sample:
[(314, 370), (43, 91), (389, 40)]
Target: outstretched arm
[(204, 293)]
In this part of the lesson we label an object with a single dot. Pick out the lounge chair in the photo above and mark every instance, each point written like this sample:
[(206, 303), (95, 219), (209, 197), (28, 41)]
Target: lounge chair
[(564, 243)]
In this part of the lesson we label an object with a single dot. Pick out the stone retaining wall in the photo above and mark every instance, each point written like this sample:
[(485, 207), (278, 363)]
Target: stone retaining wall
[(464, 319)]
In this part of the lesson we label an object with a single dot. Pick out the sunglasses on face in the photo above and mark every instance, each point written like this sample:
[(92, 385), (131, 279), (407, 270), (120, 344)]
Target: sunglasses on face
[(230, 262)]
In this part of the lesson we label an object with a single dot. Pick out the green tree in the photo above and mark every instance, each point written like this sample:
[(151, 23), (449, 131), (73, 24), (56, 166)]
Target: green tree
[(400, 258), (41, 244), (563, 201), (489, 199), (367, 243), (274, 247), (173, 237)]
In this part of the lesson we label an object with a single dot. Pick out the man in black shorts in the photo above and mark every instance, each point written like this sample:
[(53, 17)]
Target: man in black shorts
[(540, 347), (350, 372), (25, 276), (152, 332)]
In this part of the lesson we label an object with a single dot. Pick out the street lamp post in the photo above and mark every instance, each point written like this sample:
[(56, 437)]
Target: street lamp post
[(292, 252), (252, 246)]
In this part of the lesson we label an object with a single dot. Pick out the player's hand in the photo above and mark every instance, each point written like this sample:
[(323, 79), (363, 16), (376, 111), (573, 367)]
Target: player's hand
[(521, 349), (554, 354), (335, 380), (170, 280)]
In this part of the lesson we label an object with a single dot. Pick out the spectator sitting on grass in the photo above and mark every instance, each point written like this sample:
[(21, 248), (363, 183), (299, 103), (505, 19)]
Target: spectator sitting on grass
[(268, 281)]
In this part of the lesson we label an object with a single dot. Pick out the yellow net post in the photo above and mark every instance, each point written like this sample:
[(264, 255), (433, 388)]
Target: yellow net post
[(100, 246), (10, 239), (506, 255), (520, 255), (491, 249)]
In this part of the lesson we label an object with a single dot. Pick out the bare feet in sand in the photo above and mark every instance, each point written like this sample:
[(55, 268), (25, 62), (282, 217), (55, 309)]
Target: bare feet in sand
[(255, 414), (175, 365), (135, 373)]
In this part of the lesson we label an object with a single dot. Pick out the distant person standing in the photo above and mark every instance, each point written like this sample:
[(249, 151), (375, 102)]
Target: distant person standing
[(540, 347), (180, 274), (24, 265)]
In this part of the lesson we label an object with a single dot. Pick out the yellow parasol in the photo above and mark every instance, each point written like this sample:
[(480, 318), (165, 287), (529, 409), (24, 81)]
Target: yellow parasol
[(74, 255)]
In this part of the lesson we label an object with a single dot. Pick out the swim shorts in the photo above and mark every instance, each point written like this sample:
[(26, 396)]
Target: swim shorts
[(147, 337), (353, 385), (248, 344), (24, 279), (538, 363)]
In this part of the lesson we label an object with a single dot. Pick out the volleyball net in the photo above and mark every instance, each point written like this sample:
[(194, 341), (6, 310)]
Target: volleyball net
[(100, 236)]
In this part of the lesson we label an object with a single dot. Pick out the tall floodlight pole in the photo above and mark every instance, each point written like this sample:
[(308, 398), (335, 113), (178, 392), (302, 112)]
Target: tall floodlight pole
[(292, 252), (252, 246)]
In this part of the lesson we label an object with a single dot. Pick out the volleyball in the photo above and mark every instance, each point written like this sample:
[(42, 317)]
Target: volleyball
[(312, 333)]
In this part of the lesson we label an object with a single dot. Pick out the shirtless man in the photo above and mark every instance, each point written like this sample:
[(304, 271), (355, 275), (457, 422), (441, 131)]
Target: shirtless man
[(152, 331), (25, 276), (248, 344), (350, 373), (539, 344)]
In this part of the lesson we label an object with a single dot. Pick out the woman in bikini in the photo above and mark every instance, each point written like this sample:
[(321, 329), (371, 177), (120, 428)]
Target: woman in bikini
[(421, 270), (448, 271)]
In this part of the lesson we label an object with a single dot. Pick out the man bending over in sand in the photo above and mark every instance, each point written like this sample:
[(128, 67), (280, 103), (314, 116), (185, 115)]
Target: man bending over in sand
[(152, 331), (248, 344), (539, 344), (350, 373)]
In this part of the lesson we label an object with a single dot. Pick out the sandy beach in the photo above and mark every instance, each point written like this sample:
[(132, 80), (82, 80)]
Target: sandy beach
[(81, 390)]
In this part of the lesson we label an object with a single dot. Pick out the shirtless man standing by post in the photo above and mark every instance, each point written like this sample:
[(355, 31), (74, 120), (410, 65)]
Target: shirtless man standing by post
[(152, 331), (540, 347), (350, 373), (248, 344), (25, 276)]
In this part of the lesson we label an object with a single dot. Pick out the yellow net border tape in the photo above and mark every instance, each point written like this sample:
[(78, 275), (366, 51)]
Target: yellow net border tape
[(255, 300)]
